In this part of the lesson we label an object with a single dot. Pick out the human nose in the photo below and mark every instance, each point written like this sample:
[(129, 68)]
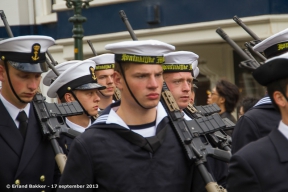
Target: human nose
[(33, 84), (153, 82)]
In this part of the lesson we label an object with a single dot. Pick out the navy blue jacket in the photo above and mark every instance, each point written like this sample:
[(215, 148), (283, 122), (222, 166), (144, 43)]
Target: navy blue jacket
[(25, 161), (256, 123), (260, 166), (101, 156)]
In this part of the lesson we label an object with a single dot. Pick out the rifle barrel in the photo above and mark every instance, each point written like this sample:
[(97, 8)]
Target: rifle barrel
[(92, 48), (240, 23), (129, 28), (232, 44), (7, 26)]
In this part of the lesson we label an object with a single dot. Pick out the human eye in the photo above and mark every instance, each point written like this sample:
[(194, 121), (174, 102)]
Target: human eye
[(159, 75), (141, 76), (177, 82)]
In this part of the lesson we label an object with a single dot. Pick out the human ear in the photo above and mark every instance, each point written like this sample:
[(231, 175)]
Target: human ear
[(118, 80), (279, 99), (68, 97)]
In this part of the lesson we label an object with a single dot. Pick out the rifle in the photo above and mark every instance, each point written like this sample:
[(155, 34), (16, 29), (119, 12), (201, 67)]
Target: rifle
[(248, 63), (218, 138), (252, 34), (50, 114), (190, 133), (117, 94)]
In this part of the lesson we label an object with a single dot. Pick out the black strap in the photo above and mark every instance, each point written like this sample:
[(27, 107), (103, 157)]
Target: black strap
[(22, 118)]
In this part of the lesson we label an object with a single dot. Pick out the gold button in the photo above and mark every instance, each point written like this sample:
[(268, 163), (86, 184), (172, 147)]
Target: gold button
[(68, 88), (42, 178), (43, 191), (17, 182), (3, 58)]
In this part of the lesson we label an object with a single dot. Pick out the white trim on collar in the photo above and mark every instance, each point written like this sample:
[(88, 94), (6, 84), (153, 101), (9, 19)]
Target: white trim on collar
[(283, 128), (75, 126)]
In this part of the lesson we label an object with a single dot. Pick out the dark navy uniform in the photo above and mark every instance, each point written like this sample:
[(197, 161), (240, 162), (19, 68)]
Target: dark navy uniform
[(260, 166), (29, 162), (255, 124), (103, 156)]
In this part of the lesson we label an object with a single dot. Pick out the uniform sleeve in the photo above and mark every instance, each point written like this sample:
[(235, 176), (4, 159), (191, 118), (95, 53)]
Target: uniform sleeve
[(244, 132), (241, 176), (78, 170)]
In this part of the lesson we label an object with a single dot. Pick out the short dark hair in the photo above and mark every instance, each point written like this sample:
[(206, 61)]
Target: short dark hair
[(247, 103), (278, 85), (230, 92)]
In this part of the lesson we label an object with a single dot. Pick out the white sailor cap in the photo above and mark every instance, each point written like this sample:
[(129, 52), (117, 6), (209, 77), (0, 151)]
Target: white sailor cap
[(142, 52), (104, 61), (80, 76), (274, 45), (26, 53), (196, 72), (60, 68), (180, 61)]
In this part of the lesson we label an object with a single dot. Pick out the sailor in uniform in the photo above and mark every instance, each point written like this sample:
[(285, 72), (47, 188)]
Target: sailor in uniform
[(262, 165), (77, 83), (132, 146), (104, 71), (26, 156), (178, 75), (259, 120)]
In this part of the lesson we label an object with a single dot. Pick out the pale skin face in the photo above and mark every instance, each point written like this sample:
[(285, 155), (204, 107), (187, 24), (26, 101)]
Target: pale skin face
[(105, 78), (25, 85), (89, 99), (179, 85), (145, 81)]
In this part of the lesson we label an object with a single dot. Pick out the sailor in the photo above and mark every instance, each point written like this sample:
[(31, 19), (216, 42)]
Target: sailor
[(104, 72), (26, 156), (132, 146), (78, 83)]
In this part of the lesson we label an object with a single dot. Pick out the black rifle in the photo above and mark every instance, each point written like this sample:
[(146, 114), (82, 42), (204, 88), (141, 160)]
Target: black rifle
[(218, 138), (252, 34), (50, 115), (248, 63), (190, 132), (117, 94)]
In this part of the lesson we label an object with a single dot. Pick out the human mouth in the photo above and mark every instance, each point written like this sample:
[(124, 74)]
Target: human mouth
[(153, 96)]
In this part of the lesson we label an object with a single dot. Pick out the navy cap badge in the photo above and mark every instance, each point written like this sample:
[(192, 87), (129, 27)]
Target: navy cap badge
[(35, 51)]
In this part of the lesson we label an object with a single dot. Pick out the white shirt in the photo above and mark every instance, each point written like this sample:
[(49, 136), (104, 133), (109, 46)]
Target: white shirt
[(283, 129), (113, 118), (186, 117), (14, 111), (76, 127)]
